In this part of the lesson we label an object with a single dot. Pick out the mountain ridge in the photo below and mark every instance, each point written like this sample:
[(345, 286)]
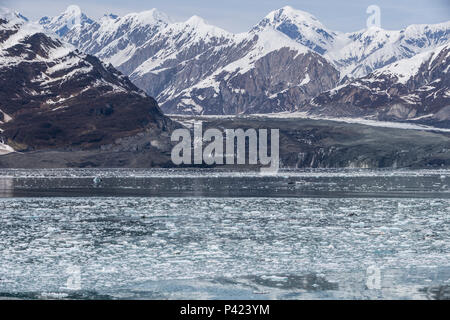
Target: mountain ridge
[(177, 62)]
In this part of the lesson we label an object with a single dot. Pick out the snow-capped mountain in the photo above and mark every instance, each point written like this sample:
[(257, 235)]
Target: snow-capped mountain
[(374, 48), (271, 73), (356, 54), (71, 19), (156, 54), (302, 27), (176, 61), (115, 39), (53, 96), (191, 66), (179, 56), (417, 88)]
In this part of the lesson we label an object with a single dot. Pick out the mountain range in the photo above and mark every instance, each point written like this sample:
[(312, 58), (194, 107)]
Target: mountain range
[(288, 62)]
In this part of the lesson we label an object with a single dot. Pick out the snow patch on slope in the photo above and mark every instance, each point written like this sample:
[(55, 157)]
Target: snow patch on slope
[(405, 69), (269, 40), (178, 37), (5, 149)]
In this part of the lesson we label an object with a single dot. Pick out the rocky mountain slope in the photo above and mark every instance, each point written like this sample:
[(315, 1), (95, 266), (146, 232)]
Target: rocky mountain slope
[(54, 97), (271, 74), (417, 89)]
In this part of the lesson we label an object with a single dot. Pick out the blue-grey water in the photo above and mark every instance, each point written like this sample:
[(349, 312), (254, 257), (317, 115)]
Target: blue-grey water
[(211, 234)]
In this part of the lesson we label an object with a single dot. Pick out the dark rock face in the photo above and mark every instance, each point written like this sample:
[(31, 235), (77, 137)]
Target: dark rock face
[(55, 98)]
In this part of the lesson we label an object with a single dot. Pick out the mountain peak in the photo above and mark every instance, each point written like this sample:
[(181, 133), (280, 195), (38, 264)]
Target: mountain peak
[(111, 16), (63, 23), (289, 13), (287, 8), (152, 16), (300, 26), (202, 28), (108, 18), (196, 21), (12, 16)]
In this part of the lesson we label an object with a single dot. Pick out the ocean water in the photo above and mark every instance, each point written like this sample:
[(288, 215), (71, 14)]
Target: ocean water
[(212, 234)]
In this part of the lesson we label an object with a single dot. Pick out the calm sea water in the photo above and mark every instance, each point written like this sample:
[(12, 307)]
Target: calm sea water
[(210, 234)]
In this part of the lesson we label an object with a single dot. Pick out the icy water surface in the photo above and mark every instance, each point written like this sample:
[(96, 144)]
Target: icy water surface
[(222, 235)]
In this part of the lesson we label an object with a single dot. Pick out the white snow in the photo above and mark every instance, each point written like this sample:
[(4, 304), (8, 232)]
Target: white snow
[(269, 40), (25, 29), (411, 98), (202, 28), (177, 37), (149, 17), (310, 28), (288, 12), (306, 80), (356, 53), (13, 18), (71, 20), (60, 59), (187, 102), (64, 64), (4, 148), (59, 108), (407, 68), (68, 75), (6, 117)]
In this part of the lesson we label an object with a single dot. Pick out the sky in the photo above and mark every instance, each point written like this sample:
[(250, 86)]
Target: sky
[(240, 15)]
